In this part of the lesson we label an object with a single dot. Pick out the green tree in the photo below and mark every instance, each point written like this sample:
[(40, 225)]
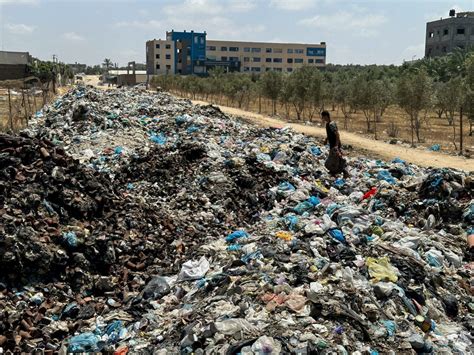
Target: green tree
[(414, 95), (107, 63), (469, 92), (272, 83)]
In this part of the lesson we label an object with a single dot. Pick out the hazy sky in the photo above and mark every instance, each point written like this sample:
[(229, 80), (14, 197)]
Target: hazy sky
[(87, 31)]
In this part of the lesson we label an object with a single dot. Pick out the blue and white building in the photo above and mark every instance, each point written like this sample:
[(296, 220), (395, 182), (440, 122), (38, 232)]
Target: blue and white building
[(191, 53)]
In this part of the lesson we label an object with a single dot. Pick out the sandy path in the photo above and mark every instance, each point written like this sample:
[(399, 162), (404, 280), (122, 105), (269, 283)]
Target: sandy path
[(380, 149)]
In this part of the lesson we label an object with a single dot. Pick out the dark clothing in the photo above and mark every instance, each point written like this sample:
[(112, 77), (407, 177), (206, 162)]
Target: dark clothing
[(331, 130), (335, 163)]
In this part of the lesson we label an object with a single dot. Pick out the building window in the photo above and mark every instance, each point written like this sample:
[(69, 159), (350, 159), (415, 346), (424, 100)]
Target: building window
[(311, 61), (157, 66), (233, 59), (289, 69), (233, 49), (460, 31), (289, 60), (168, 46), (256, 50), (202, 39), (268, 50), (277, 50), (224, 58), (298, 60), (290, 51), (277, 69), (168, 67), (246, 49), (430, 34), (255, 69), (268, 60), (299, 51), (445, 32), (256, 59), (168, 56), (246, 59), (268, 69), (320, 61), (211, 48), (224, 49), (444, 50), (277, 60), (246, 69), (157, 46), (196, 39), (157, 56)]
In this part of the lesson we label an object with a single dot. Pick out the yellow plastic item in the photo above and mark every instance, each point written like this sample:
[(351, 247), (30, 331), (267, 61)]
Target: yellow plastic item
[(377, 231), (265, 149), (380, 269), (284, 235), (320, 186)]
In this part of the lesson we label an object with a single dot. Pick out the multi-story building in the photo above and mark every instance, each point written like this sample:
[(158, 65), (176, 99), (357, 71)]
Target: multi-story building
[(181, 53), (264, 56), (444, 35), (190, 53)]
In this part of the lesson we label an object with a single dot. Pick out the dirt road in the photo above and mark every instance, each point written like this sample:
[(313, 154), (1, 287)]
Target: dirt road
[(375, 148)]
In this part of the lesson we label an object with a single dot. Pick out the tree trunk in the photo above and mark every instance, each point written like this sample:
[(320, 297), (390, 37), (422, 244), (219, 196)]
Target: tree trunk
[(10, 109), (460, 131), (259, 103), (375, 125)]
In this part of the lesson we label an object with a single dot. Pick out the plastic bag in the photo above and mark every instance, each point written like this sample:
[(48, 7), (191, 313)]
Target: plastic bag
[(236, 235), (287, 236), (85, 342), (380, 269), (194, 270)]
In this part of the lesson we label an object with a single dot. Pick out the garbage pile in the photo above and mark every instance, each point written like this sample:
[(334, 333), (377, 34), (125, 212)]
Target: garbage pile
[(133, 221)]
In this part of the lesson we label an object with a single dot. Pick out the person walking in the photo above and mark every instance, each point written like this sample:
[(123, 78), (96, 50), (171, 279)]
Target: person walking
[(335, 162)]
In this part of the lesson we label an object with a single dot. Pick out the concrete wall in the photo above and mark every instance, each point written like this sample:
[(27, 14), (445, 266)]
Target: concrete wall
[(130, 79), (438, 42), (13, 71), (14, 57), (263, 56)]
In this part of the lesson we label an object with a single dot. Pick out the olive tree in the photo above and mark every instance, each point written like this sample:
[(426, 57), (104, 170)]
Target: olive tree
[(271, 84), (414, 92)]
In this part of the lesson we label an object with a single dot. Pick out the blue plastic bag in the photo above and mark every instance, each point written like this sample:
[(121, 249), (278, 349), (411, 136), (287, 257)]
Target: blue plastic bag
[(70, 239), (315, 150), (398, 161), (339, 182), (391, 327), (85, 342), (236, 235), (291, 222), (385, 175), (435, 148), (307, 205), (337, 234), (286, 186), (158, 138), (192, 129)]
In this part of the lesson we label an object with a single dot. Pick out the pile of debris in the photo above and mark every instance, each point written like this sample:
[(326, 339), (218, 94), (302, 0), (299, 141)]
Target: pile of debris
[(135, 221)]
